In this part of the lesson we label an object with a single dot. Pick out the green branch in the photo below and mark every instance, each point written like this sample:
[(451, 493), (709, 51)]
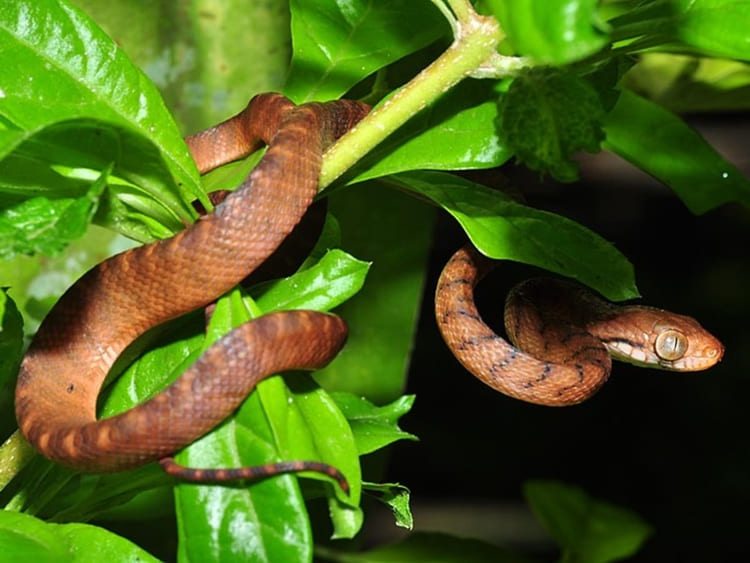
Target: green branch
[(462, 9), (15, 453), (473, 53), (475, 43)]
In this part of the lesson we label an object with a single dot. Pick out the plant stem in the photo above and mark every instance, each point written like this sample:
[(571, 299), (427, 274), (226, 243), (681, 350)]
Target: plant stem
[(462, 9), (475, 43), (15, 453)]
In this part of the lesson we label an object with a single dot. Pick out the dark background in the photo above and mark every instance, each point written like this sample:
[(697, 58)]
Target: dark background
[(669, 446)]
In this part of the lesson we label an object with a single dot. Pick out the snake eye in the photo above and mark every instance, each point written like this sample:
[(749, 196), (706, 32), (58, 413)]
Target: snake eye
[(671, 345)]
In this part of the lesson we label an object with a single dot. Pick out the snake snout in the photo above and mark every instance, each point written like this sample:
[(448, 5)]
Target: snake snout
[(701, 359), (714, 353), (710, 353)]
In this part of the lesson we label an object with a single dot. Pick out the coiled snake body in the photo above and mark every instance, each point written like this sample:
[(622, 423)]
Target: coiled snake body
[(565, 333), (63, 371), (65, 366)]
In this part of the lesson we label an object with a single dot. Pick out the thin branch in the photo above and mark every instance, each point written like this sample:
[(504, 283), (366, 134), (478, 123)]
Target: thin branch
[(475, 44)]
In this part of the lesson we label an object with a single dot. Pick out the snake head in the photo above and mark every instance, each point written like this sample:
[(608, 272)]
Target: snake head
[(664, 340)]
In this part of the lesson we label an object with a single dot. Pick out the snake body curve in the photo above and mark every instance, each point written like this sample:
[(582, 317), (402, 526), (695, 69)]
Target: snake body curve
[(564, 336), (109, 307)]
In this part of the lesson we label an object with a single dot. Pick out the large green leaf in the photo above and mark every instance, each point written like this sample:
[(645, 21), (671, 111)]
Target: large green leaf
[(376, 356), (553, 31), (660, 143), (335, 278), (710, 27), (337, 44), (24, 537), (58, 68), (275, 424), (43, 226), (264, 522), (506, 230)]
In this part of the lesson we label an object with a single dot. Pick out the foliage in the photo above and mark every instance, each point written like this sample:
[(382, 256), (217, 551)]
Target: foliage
[(587, 530), (86, 136)]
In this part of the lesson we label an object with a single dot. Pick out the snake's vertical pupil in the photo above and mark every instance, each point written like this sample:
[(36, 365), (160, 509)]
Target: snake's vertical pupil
[(671, 345)]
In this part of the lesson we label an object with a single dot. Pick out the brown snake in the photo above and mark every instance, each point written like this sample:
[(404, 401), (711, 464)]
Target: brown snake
[(116, 302), (567, 335)]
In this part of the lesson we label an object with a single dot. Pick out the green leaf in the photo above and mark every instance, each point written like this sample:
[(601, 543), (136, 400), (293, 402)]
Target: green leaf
[(58, 67), (396, 497), (688, 84), (711, 27), (43, 226), (323, 286), (82, 497), (162, 364), (307, 424), (432, 547), (65, 159), (337, 44), (335, 278), (504, 229), (266, 521), (376, 356), (553, 31), (276, 423), (459, 132), (24, 537), (374, 427), (588, 530), (255, 435), (547, 116), (715, 27), (661, 144), (11, 351)]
